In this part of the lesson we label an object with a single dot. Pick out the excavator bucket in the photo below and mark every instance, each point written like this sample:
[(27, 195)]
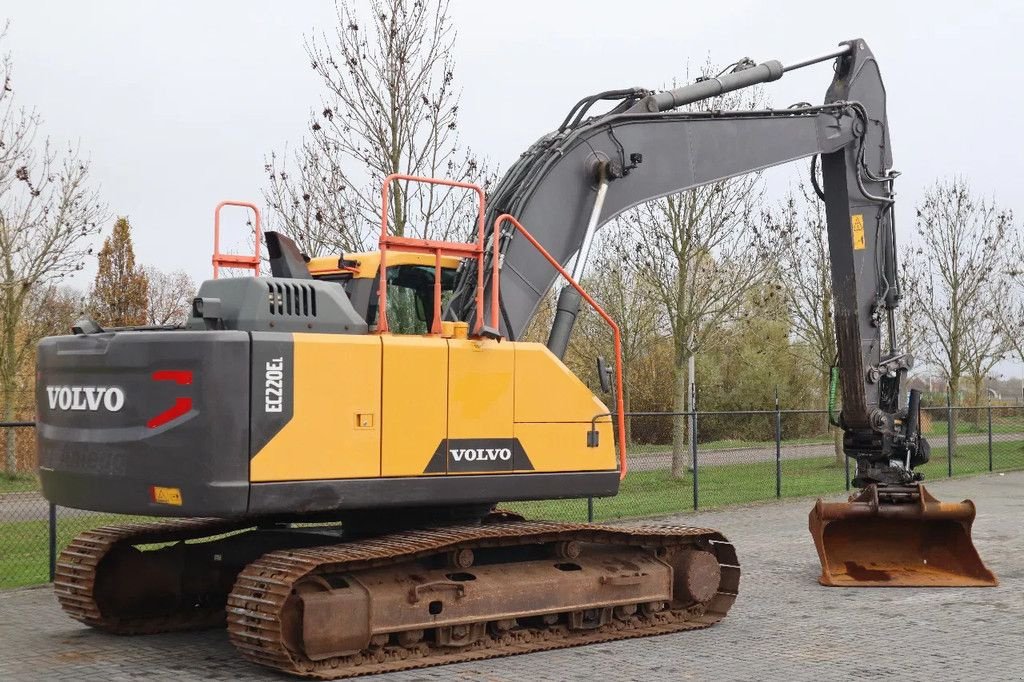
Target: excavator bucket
[(897, 537)]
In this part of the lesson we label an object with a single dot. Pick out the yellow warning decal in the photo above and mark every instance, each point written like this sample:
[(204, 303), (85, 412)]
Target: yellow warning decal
[(857, 221), (166, 495)]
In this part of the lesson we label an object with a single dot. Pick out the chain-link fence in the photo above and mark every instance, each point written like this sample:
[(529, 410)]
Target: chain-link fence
[(756, 455), (27, 522), (735, 457), (720, 458)]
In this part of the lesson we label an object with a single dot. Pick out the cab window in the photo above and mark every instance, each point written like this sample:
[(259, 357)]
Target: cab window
[(411, 297)]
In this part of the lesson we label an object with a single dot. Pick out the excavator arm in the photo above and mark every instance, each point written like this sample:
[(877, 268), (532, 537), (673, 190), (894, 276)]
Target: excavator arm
[(579, 177), (582, 175)]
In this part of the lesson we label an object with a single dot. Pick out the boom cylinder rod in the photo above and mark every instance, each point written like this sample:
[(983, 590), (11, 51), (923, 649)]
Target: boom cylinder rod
[(568, 306), (588, 239), (838, 52), (766, 72)]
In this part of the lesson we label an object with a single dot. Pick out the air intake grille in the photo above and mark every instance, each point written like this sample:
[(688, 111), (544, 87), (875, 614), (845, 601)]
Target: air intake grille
[(297, 300)]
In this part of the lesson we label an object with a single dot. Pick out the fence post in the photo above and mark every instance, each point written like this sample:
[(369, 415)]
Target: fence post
[(590, 510), (990, 435), (778, 447), (693, 444), (949, 436), (53, 540)]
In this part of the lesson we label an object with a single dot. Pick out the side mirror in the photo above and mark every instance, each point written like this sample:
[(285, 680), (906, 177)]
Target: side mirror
[(604, 375)]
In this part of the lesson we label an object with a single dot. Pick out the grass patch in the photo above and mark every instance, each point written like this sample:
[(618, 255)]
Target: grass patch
[(973, 459), (18, 483), (24, 548), (653, 493), (730, 444), (967, 427)]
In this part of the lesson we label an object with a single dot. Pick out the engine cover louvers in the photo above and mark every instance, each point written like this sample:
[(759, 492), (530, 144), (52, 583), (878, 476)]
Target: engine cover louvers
[(291, 299)]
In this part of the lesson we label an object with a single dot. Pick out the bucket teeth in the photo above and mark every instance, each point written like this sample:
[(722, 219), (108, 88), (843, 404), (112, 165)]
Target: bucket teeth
[(897, 537)]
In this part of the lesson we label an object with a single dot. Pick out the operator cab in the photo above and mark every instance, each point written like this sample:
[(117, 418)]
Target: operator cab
[(410, 292), (410, 275), (419, 273)]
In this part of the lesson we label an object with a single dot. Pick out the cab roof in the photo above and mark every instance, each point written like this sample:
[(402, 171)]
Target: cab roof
[(366, 263)]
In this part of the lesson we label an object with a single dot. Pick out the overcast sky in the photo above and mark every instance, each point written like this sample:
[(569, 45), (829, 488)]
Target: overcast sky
[(177, 103)]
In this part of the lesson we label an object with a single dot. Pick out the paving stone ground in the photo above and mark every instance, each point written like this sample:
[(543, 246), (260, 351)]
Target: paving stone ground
[(784, 625)]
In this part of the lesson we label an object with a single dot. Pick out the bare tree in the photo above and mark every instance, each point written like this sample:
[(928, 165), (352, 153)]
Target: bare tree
[(1010, 315), (390, 106), (702, 253), (48, 212), (984, 345), (310, 201), (805, 269), (962, 251), (50, 310), (912, 334), (630, 298), (170, 296)]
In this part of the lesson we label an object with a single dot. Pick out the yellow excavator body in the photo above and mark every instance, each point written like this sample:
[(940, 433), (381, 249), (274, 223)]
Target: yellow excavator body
[(387, 405)]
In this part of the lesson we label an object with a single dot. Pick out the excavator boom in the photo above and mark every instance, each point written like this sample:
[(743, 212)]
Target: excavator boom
[(575, 179)]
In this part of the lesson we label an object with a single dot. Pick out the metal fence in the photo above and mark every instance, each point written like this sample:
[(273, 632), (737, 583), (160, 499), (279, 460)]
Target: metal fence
[(734, 458), (780, 453)]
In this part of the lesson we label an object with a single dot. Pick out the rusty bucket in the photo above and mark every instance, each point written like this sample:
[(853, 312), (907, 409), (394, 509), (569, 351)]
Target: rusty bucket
[(897, 537)]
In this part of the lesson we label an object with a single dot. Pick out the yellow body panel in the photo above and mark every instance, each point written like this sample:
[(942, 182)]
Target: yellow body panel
[(367, 263), (563, 447), (415, 402), (397, 406), (324, 265), (481, 382), (547, 391), (335, 428), (553, 409)]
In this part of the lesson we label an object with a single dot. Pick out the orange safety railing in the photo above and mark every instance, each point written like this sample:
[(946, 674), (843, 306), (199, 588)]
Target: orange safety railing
[(230, 260), (437, 249), (619, 402)]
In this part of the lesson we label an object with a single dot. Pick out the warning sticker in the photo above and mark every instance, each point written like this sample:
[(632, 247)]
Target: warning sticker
[(857, 221), (163, 495)]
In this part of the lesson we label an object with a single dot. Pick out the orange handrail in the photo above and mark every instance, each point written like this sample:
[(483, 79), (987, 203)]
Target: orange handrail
[(620, 409), (435, 248), (229, 260)]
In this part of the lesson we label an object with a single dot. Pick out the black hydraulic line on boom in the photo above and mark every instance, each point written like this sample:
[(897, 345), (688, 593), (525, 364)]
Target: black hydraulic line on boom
[(579, 177)]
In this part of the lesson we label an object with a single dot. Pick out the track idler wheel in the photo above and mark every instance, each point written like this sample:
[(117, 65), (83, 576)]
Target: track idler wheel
[(897, 537), (697, 576)]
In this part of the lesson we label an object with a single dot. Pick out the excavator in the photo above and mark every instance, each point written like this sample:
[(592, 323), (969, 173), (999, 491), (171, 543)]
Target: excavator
[(329, 444)]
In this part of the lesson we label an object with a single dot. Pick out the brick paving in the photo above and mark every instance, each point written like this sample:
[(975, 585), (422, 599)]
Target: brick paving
[(784, 626)]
